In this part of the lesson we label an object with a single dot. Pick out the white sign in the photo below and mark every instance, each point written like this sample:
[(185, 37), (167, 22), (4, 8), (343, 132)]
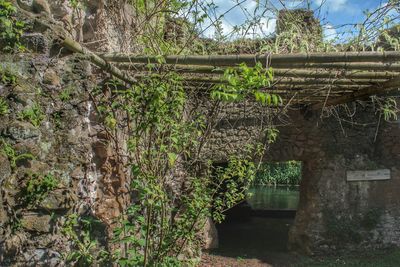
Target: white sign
[(383, 174)]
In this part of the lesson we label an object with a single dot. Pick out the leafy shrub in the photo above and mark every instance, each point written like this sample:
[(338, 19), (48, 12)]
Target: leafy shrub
[(11, 28), (85, 248), (287, 173), (244, 82)]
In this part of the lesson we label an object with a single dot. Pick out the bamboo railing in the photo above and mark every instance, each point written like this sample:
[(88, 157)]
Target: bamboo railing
[(315, 79), (250, 60), (336, 77)]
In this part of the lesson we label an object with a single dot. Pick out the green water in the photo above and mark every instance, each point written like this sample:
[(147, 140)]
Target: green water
[(274, 197)]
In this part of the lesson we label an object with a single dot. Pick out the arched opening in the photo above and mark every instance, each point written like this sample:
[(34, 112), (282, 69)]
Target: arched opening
[(258, 228)]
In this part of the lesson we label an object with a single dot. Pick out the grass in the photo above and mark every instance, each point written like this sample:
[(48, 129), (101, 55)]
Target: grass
[(378, 258)]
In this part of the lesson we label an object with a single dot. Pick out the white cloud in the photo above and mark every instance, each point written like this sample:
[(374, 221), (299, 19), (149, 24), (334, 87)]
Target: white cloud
[(238, 16), (330, 32), (264, 28), (332, 5), (293, 3)]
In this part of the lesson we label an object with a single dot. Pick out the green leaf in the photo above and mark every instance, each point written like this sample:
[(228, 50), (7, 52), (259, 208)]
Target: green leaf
[(275, 100)]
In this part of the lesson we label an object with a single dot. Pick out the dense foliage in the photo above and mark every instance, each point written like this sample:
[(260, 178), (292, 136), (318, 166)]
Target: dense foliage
[(166, 208), (279, 173), (154, 136), (11, 28)]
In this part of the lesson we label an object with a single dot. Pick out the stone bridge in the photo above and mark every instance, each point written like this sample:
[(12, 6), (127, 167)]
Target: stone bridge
[(333, 213)]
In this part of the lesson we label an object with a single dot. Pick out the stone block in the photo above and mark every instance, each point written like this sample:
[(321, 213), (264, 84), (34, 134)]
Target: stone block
[(36, 222), (39, 6), (210, 238), (25, 4), (20, 130), (5, 168), (59, 199), (43, 257), (35, 42), (50, 77), (13, 244)]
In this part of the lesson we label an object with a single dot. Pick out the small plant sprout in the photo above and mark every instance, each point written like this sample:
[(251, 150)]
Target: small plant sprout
[(37, 188), (12, 155), (4, 109), (33, 114)]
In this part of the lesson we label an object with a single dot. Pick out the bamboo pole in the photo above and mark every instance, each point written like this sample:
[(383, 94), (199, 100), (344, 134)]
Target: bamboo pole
[(293, 81), (344, 66), (391, 85), (333, 74), (344, 61), (289, 91), (300, 73), (250, 60), (289, 86)]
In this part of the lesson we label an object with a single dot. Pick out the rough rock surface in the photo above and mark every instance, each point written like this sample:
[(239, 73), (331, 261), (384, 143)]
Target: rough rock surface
[(333, 213), (60, 137)]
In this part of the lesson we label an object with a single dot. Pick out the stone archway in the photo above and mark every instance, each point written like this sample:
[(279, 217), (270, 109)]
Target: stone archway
[(329, 204)]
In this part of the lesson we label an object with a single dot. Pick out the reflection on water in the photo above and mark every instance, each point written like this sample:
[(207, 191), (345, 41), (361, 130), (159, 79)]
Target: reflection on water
[(274, 197)]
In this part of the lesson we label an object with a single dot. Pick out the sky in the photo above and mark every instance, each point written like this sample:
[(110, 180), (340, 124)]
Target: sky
[(332, 14)]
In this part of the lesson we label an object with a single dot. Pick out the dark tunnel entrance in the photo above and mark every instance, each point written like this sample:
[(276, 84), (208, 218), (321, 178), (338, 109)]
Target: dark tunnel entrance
[(258, 227)]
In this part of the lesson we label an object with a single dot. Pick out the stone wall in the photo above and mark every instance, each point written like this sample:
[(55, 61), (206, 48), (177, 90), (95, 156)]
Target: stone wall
[(333, 213), (55, 161), (69, 145), (56, 141)]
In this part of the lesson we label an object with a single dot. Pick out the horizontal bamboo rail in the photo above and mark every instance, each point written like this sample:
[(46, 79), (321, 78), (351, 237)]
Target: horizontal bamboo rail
[(206, 88), (250, 60), (344, 66), (337, 82), (293, 81), (300, 73)]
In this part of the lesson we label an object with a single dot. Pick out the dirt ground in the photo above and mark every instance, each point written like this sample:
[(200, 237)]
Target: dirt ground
[(209, 260), (258, 242)]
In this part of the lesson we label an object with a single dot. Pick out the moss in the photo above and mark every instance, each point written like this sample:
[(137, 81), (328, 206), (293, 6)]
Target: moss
[(371, 218), (343, 228), (374, 258)]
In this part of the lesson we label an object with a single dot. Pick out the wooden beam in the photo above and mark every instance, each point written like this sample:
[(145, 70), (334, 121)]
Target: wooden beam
[(393, 84)]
